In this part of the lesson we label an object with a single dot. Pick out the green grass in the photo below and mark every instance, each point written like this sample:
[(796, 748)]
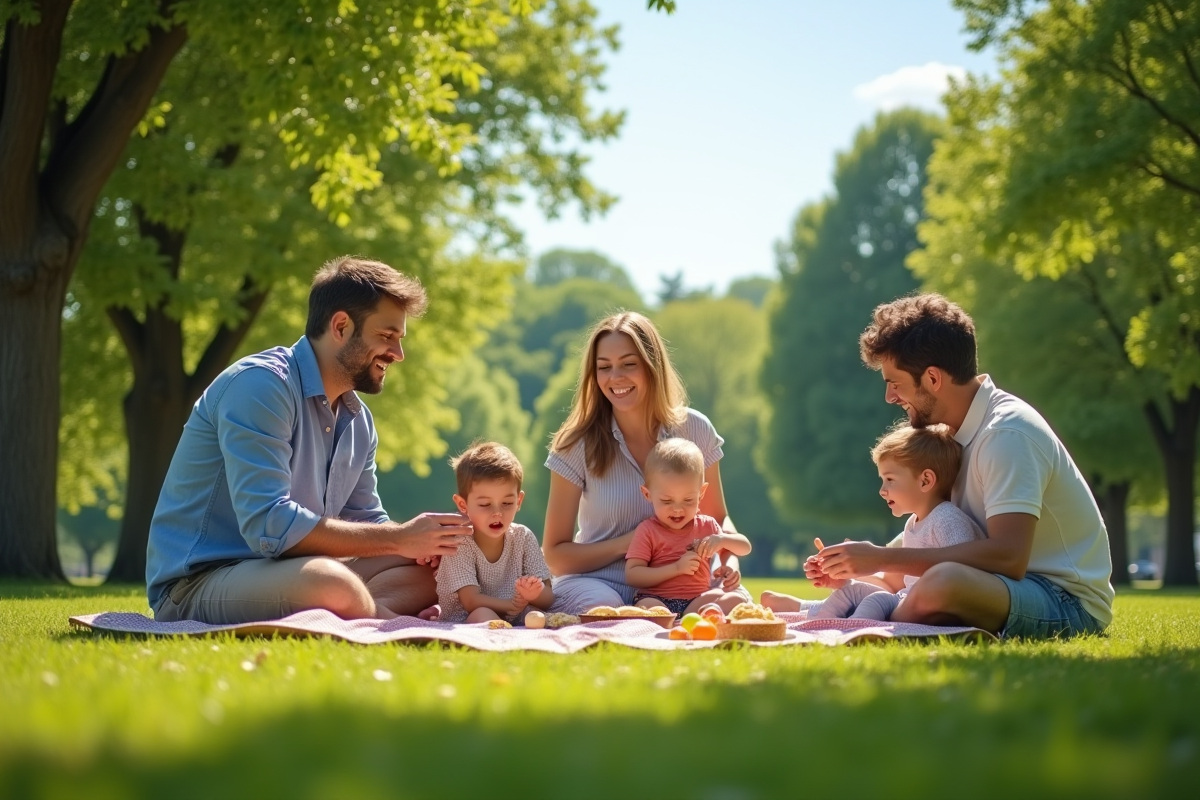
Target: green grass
[(99, 717)]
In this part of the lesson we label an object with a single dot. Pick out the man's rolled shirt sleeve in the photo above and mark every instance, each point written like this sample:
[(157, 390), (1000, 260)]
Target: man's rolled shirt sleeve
[(255, 424), (1015, 474)]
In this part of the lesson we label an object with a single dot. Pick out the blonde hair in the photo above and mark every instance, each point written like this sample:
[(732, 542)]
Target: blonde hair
[(485, 461), (591, 413), (675, 457), (932, 447)]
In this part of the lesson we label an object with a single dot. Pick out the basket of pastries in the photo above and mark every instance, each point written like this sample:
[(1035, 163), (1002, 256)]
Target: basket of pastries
[(753, 623), (658, 615)]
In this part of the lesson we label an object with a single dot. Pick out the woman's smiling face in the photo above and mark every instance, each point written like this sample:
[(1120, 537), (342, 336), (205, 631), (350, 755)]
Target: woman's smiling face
[(620, 371)]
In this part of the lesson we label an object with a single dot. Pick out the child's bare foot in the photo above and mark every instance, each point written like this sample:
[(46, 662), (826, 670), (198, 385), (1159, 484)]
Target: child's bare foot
[(780, 602), (431, 614)]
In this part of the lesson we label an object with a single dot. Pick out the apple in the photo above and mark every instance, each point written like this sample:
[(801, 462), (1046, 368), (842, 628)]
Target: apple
[(689, 621)]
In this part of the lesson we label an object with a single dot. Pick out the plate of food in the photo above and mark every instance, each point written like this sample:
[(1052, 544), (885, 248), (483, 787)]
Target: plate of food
[(659, 615)]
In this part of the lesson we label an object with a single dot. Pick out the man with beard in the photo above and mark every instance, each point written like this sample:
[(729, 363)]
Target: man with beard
[(270, 504), (1043, 571)]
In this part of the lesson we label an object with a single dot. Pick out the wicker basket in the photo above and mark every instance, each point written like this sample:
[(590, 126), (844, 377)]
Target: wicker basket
[(756, 630)]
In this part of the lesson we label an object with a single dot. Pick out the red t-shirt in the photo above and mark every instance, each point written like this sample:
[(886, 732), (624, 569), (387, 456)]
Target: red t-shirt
[(658, 546)]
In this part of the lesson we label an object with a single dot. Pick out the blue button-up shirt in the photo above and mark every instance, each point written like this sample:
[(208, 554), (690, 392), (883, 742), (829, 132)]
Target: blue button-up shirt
[(262, 459)]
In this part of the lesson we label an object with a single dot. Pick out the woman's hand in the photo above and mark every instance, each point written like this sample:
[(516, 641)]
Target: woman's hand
[(730, 577), (707, 547)]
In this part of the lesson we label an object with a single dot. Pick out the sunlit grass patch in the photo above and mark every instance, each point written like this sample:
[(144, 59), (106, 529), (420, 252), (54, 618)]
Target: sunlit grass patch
[(98, 716)]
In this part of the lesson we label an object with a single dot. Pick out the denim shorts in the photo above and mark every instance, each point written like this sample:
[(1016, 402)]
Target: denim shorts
[(1039, 609)]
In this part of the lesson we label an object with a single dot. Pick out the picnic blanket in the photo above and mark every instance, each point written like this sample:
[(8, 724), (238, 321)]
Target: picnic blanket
[(628, 632)]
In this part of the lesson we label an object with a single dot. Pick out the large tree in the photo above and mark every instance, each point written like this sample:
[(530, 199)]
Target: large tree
[(1095, 127), (218, 217), (846, 255), (334, 86), (1040, 338)]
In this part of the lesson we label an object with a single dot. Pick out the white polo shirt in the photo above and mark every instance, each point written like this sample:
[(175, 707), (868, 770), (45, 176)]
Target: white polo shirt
[(1014, 463)]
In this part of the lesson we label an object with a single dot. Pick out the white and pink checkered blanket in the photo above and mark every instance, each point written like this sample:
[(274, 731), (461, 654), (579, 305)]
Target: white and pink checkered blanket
[(630, 633)]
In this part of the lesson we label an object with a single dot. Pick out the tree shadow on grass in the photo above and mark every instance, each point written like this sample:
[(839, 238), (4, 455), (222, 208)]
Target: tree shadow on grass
[(13, 589), (1014, 725)]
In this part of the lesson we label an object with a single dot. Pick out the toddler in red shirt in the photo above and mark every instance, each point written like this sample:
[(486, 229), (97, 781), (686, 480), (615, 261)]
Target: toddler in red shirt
[(670, 558)]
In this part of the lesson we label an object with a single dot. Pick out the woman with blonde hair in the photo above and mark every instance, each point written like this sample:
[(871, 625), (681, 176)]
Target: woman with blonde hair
[(628, 398)]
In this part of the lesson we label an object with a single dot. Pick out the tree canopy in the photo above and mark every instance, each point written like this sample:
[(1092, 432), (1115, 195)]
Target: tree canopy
[(264, 115), (1093, 138), (846, 255), (547, 321)]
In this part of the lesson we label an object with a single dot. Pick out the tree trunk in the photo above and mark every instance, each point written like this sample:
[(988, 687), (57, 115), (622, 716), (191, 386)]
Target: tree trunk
[(156, 409), (1113, 499), (89, 561), (162, 395), (52, 173), (1177, 445), (31, 300)]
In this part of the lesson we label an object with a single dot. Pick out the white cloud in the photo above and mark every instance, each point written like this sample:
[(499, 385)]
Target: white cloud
[(910, 86)]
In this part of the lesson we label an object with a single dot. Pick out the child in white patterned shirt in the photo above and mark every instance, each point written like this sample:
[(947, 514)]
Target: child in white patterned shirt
[(499, 572), (917, 470)]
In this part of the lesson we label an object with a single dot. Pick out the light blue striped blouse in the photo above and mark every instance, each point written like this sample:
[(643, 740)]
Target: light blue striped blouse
[(613, 504)]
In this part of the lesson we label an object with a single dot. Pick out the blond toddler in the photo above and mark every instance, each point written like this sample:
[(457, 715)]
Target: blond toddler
[(917, 469), (669, 561)]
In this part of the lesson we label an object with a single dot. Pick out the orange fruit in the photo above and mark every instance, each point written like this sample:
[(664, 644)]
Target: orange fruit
[(704, 630), (679, 633)]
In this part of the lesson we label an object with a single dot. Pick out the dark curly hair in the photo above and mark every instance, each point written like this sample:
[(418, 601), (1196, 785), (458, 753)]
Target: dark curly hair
[(922, 331)]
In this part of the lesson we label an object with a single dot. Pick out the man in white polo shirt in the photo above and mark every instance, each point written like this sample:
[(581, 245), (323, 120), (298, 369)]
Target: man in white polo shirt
[(1043, 571)]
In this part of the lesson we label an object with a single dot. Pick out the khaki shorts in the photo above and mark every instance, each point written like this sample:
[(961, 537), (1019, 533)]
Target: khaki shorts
[(253, 590)]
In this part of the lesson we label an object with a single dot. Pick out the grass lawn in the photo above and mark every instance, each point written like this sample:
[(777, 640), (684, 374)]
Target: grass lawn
[(99, 717)]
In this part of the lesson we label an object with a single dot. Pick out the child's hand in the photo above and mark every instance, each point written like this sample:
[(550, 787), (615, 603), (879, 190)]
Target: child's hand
[(731, 578), (813, 571), (688, 563), (529, 587), (514, 606), (709, 545)]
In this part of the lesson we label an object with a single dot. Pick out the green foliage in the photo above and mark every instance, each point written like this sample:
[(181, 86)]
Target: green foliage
[(1088, 156), (485, 402), (1097, 128), (279, 140), (846, 255), (547, 322), (90, 715), (1029, 327), (753, 290), (92, 532), (560, 265), (550, 412)]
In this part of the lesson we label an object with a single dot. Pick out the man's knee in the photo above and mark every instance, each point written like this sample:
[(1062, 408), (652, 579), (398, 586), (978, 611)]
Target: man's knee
[(940, 586), (328, 583)]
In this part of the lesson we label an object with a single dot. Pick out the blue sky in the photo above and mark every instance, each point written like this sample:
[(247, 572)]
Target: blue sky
[(735, 112)]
